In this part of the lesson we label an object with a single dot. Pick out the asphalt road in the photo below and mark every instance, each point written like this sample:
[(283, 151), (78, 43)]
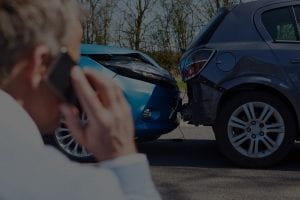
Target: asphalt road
[(193, 168)]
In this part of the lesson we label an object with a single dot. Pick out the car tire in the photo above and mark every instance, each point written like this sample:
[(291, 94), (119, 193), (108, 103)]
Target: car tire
[(255, 129), (65, 142)]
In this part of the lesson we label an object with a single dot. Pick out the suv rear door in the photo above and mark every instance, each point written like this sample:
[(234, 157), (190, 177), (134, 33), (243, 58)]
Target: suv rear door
[(281, 29)]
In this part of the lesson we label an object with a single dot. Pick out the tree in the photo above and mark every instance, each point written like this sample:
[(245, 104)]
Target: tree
[(96, 28), (210, 7), (178, 23), (183, 22), (161, 39), (136, 20)]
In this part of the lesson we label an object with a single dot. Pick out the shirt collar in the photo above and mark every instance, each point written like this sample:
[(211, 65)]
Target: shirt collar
[(15, 121)]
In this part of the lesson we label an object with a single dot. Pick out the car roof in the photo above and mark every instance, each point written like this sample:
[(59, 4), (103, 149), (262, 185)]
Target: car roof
[(102, 49), (261, 3)]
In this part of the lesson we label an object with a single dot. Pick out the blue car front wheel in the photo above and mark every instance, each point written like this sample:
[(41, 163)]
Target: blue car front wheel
[(67, 144)]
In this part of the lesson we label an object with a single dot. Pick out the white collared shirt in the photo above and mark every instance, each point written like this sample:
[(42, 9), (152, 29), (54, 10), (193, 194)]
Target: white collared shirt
[(31, 170)]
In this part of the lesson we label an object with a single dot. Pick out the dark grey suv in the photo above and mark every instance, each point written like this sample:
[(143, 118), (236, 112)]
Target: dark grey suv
[(243, 78)]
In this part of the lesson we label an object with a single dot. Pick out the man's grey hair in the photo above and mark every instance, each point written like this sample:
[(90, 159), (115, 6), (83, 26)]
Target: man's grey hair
[(24, 24)]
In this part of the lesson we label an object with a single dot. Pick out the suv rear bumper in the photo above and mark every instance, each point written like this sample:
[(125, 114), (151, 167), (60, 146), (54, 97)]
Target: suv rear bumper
[(202, 106)]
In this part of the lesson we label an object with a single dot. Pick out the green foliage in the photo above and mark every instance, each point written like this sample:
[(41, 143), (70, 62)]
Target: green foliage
[(167, 59), (286, 32), (181, 84)]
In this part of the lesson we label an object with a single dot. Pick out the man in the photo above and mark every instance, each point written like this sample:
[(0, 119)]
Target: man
[(32, 32)]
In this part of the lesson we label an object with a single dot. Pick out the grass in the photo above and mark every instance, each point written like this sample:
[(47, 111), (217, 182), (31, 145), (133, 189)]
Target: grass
[(181, 84)]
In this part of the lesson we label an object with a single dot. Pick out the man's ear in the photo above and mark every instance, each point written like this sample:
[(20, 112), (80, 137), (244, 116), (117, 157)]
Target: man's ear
[(36, 65)]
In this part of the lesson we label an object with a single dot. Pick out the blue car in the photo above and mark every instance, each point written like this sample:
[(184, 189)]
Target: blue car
[(151, 91)]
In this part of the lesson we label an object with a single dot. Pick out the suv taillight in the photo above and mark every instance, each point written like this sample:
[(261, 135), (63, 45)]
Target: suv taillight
[(194, 63)]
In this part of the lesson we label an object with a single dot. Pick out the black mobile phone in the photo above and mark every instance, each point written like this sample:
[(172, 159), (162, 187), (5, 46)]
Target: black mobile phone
[(59, 78)]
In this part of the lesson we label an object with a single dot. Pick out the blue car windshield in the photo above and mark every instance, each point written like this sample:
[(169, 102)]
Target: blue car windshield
[(205, 34)]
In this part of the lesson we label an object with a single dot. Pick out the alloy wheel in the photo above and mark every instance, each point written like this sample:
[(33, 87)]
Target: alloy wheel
[(67, 143), (256, 129)]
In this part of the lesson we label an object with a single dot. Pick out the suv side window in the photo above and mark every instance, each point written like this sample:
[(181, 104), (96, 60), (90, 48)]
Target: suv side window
[(280, 24)]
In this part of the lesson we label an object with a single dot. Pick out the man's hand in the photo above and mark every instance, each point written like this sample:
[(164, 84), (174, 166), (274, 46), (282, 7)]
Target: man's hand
[(109, 132)]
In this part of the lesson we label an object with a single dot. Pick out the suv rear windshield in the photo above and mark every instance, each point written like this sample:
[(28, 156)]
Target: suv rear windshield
[(204, 35), (281, 24)]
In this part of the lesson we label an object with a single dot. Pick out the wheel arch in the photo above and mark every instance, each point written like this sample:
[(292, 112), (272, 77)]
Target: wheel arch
[(229, 93)]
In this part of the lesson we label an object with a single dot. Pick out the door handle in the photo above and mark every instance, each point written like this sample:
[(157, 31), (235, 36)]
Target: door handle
[(295, 61)]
